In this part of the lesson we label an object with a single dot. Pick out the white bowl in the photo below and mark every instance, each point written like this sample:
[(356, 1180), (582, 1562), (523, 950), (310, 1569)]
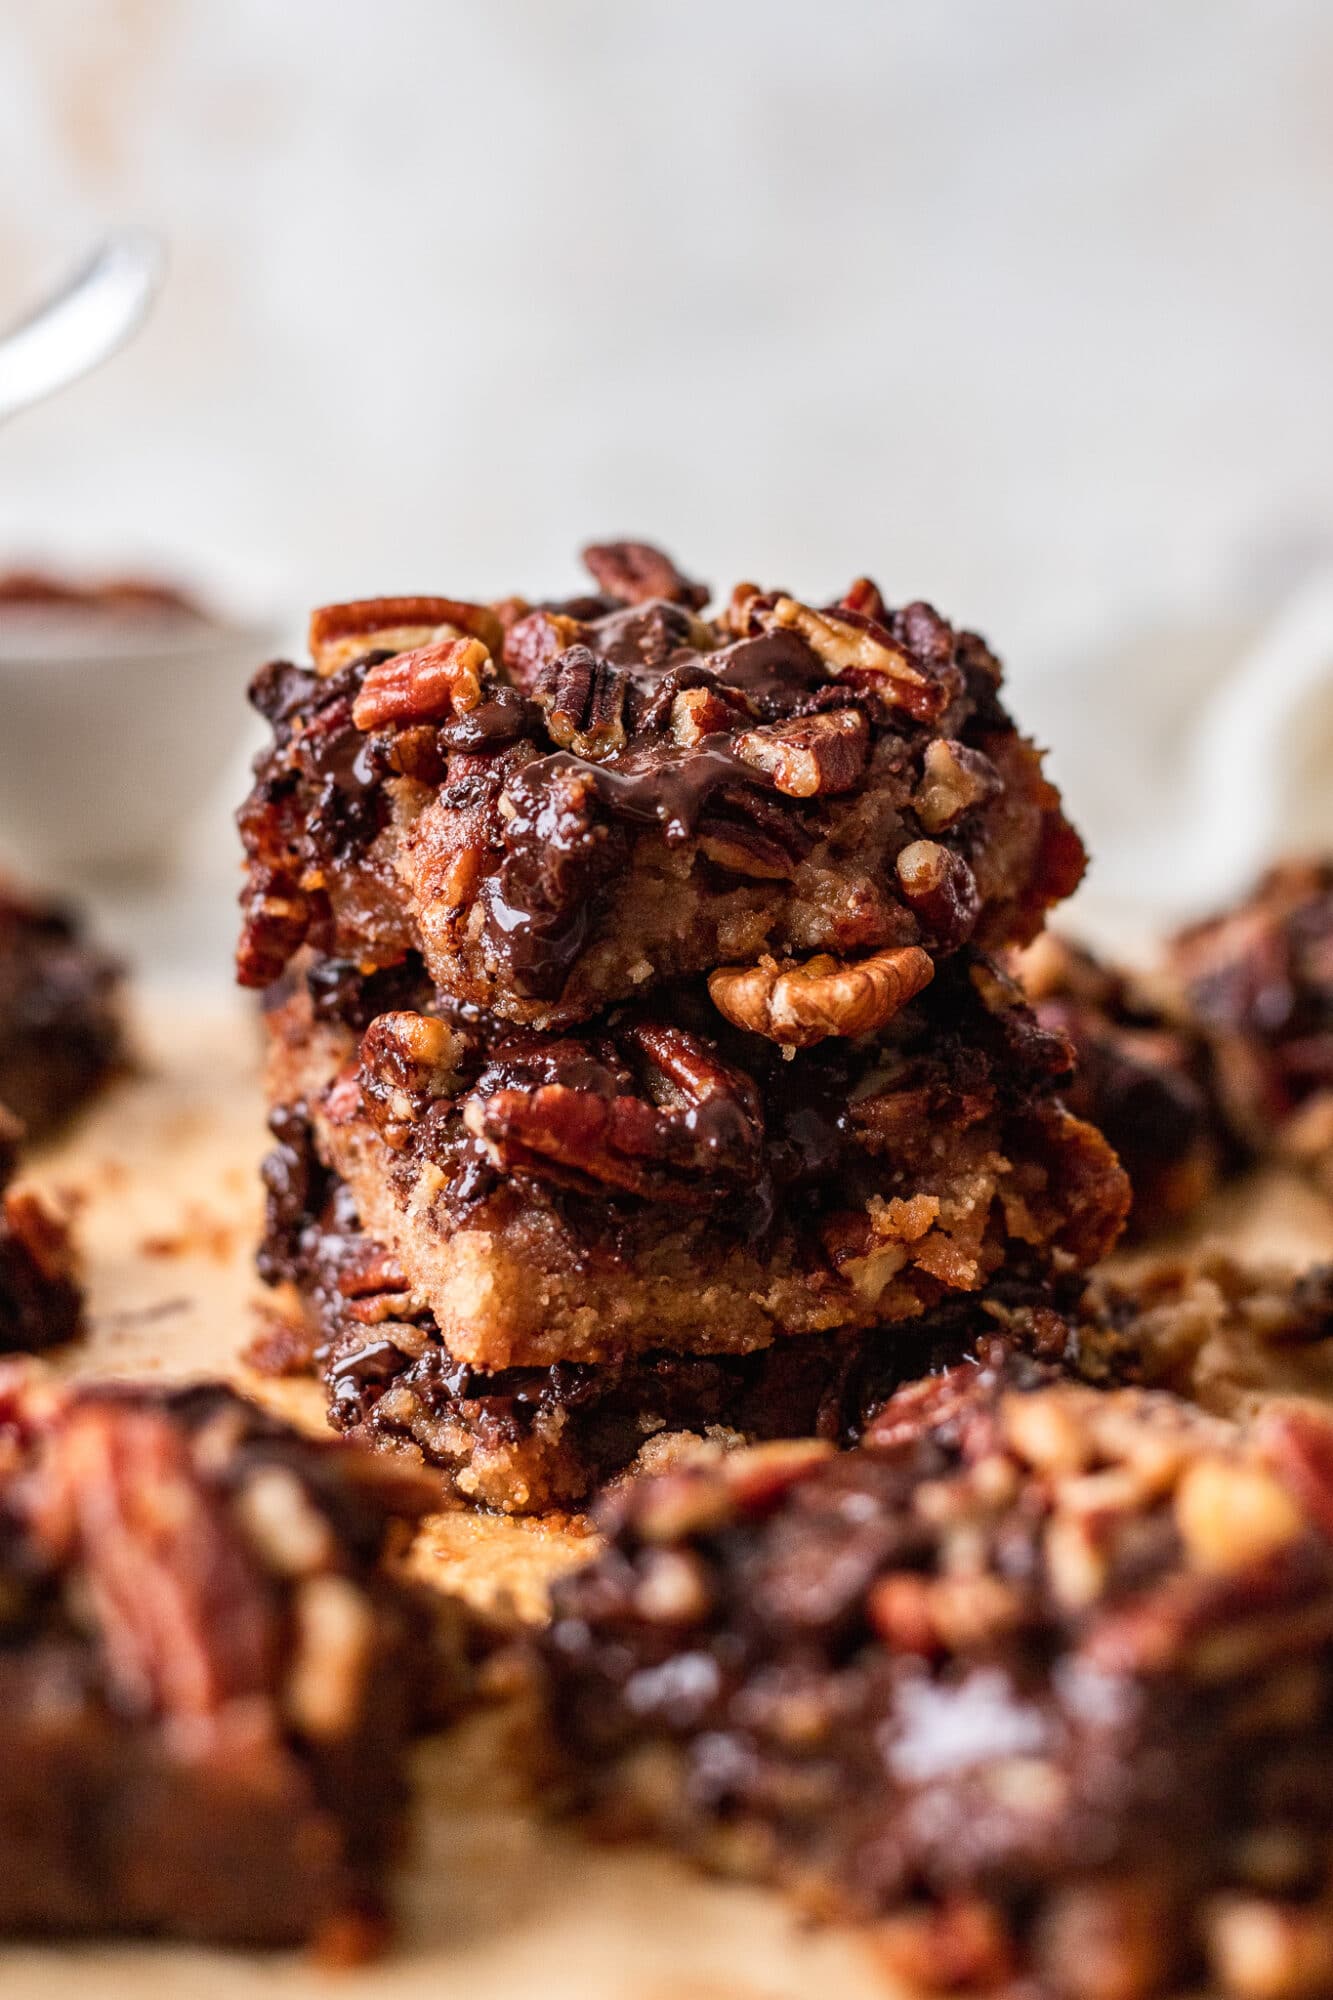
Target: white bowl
[(108, 754)]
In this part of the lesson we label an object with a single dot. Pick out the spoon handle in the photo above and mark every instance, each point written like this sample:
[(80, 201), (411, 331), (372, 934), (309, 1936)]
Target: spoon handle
[(87, 320)]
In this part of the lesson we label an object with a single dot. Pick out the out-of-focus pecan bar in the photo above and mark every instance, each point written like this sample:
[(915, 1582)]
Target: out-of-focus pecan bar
[(1257, 982), (60, 1026), (207, 1681), (1142, 1078), (560, 806), (529, 1440), (41, 1301), (1038, 1684), (664, 1181), (1230, 1336)]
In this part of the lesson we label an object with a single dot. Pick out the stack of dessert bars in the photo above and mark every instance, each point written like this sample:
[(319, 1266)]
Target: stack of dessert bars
[(643, 1060)]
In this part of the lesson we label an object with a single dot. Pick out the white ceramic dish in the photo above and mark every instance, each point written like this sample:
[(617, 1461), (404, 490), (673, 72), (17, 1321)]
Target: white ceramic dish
[(111, 742)]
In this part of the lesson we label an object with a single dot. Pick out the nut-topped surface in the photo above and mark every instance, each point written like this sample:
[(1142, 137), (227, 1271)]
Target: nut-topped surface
[(1038, 1682), (560, 806)]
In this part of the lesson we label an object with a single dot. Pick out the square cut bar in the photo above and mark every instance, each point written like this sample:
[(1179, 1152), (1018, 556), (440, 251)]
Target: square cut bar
[(1255, 983), (559, 807), (207, 1682), (1038, 1685), (662, 1181), (1231, 1337), (1143, 1077), (61, 1032), (41, 1300), (529, 1440)]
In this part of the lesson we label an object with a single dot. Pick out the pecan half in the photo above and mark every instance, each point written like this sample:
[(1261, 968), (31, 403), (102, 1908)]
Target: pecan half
[(637, 573), (750, 833), (798, 1004), (705, 1134), (186, 1627), (812, 756), (583, 698), (407, 1062), (428, 684), (342, 632)]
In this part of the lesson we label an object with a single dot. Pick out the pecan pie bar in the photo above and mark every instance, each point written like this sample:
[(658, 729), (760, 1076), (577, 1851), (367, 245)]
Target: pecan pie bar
[(660, 1180), (1142, 1078), (529, 1440), (1257, 984), (207, 1683), (559, 807), (1230, 1336), (60, 1025), (1038, 1684), (41, 1302)]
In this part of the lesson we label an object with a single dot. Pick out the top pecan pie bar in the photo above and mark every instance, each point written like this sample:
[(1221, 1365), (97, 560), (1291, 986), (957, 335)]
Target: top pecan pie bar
[(558, 806)]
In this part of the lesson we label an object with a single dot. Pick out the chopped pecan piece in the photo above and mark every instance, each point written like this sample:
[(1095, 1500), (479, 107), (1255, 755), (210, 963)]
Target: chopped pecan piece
[(798, 1004), (847, 642), (534, 643), (956, 779), (744, 850), (864, 599), (407, 1062), (942, 889), (813, 756), (698, 712), (426, 685), (637, 573), (340, 633)]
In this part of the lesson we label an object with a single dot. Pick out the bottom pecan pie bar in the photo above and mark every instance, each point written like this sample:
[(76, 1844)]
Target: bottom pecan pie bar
[(1038, 1683), (665, 1181), (207, 1683), (529, 1440)]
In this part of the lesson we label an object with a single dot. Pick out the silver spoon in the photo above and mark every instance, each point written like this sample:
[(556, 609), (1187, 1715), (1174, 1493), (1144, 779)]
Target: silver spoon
[(87, 320)]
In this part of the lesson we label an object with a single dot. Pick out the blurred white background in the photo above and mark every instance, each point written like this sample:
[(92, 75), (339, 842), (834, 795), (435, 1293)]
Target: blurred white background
[(1025, 307)]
